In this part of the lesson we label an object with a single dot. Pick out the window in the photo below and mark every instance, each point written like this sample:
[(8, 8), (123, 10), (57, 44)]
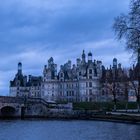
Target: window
[(90, 91), (86, 92), (103, 92), (72, 93), (90, 71), (90, 99), (86, 84), (90, 84), (90, 77)]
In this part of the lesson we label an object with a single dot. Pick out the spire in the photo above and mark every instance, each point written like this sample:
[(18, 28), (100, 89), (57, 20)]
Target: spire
[(83, 56), (50, 62)]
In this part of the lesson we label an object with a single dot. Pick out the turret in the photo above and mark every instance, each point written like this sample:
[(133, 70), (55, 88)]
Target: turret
[(50, 62), (69, 64), (83, 56), (89, 57), (115, 63), (55, 70), (19, 68), (119, 66), (78, 61)]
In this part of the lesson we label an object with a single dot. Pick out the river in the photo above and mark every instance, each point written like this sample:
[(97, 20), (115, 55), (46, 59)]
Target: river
[(67, 130)]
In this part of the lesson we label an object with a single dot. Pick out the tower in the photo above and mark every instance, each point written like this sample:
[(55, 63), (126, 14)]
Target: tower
[(89, 57), (115, 63), (78, 61), (19, 68), (83, 56), (50, 62)]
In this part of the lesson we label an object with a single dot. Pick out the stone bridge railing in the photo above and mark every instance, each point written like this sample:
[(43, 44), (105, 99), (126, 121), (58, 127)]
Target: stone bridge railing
[(37, 100), (23, 105), (8, 99), (23, 100)]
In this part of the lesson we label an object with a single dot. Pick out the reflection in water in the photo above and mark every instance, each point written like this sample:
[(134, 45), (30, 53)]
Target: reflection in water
[(67, 130)]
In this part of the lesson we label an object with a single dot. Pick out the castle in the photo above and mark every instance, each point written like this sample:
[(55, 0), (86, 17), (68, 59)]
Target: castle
[(85, 81)]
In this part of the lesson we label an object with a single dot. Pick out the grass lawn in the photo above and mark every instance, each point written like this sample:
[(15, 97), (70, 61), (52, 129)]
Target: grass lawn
[(108, 106)]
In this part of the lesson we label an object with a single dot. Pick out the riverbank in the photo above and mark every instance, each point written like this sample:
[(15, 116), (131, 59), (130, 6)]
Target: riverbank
[(120, 118)]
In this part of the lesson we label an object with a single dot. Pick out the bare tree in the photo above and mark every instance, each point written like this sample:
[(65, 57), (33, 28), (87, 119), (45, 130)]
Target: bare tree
[(109, 82), (128, 27), (135, 83), (125, 82)]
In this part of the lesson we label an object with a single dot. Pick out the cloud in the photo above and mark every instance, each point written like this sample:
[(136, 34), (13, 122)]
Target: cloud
[(60, 22), (31, 31)]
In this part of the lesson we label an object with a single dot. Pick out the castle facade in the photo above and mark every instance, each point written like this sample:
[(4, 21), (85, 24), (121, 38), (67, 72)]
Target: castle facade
[(86, 81)]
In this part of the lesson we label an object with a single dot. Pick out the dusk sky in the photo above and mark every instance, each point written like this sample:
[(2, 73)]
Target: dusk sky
[(31, 31)]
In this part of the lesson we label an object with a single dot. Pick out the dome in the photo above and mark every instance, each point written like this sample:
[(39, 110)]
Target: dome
[(19, 63), (115, 59), (89, 54)]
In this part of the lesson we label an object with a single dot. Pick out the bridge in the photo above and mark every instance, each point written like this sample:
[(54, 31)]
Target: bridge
[(20, 106)]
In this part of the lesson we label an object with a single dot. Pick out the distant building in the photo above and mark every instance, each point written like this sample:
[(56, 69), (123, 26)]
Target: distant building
[(80, 82), (24, 86), (85, 81), (115, 84), (134, 81), (18, 86)]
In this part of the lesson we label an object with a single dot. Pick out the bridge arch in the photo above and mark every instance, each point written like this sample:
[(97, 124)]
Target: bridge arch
[(8, 111)]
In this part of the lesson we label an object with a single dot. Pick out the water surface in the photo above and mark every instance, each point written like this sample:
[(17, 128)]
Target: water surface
[(67, 130)]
